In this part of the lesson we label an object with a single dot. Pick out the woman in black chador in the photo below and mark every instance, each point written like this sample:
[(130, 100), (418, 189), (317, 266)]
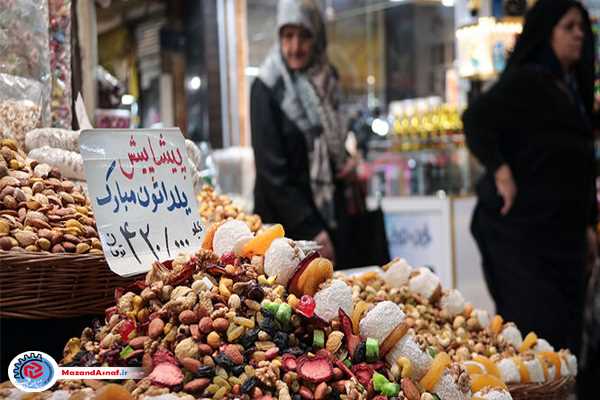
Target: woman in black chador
[(537, 201)]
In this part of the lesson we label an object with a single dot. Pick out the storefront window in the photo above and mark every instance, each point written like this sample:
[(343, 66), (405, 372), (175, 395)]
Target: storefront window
[(383, 50)]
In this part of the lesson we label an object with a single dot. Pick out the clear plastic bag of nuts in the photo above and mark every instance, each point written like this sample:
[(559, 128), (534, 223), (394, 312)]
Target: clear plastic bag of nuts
[(21, 101), (24, 45)]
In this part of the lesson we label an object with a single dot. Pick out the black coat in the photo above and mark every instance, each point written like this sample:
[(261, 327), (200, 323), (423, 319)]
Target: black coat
[(530, 121), (282, 192), (533, 258)]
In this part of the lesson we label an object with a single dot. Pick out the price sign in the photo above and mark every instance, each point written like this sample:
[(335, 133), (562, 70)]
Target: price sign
[(142, 195)]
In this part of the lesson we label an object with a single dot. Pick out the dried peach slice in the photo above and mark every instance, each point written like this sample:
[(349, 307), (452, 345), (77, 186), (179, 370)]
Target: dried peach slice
[(394, 337), (359, 310), (542, 361), (260, 243), (207, 243), (317, 272), (523, 371), (368, 276), (438, 366), (496, 325), (483, 381), (473, 369), (529, 341), (553, 358), (489, 365), (113, 391)]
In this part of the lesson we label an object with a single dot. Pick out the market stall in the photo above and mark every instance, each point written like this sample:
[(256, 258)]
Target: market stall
[(226, 307)]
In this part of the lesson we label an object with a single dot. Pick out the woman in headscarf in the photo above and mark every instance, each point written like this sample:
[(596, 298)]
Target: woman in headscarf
[(536, 206), (297, 135)]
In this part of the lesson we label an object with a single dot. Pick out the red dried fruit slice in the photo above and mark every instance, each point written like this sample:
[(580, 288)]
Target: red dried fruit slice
[(163, 356), (314, 370), (351, 340), (325, 354), (126, 328), (363, 373), (288, 362), (292, 286), (306, 306), (227, 258), (166, 374)]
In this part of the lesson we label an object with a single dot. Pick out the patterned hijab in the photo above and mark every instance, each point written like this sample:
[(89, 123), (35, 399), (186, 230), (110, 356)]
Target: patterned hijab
[(309, 98)]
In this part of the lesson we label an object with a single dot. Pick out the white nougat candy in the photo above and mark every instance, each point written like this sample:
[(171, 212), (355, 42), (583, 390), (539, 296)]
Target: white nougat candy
[(509, 371), (407, 347), (229, 235), (282, 259), (453, 302), (512, 335), (482, 317), (535, 369), (381, 320), (397, 273), (447, 389), (330, 299), (425, 283), (542, 345), (493, 394), (570, 362)]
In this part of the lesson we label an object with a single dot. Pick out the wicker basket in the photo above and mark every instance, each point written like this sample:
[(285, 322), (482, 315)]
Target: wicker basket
[(559, 389), (43, 286)]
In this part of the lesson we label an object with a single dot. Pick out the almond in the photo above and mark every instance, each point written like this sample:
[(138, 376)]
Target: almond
[(138, 342), (155, 329), (191, 364), (206, 325), (188, 317), (233, 353), (196, 385), (410, 390)]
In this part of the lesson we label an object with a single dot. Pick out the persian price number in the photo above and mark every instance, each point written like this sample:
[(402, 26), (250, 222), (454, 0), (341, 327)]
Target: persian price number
[(142, 196)]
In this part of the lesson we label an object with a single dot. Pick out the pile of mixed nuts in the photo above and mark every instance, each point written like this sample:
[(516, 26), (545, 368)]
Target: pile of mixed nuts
[(216, 208), (39, 210)]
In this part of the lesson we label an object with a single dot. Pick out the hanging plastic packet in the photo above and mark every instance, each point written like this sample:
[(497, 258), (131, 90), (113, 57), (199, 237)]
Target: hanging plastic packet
[(24, 50), (60, 62), (21, 102)]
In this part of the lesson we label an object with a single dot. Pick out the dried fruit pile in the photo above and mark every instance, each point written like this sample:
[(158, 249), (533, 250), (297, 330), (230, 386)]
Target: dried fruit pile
[(217, 208), (254, 317), (39, 211)]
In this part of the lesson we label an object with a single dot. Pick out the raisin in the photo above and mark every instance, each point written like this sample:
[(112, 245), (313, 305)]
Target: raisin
[(238, 370), (360, 355), (223, 361), (281, 340), (205, 371), (249, 385), (249, 338)]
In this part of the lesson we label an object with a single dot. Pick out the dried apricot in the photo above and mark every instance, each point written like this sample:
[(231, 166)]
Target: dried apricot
[(260, 243), (438, 366)]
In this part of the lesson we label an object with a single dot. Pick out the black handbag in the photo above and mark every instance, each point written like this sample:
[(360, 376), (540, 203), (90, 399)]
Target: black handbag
[(360, 238)]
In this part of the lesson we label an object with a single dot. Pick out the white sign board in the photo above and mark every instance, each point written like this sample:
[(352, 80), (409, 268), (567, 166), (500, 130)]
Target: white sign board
[(142, 195), (419, 230)]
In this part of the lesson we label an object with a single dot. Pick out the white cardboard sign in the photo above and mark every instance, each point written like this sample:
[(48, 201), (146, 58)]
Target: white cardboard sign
[(142, 195)]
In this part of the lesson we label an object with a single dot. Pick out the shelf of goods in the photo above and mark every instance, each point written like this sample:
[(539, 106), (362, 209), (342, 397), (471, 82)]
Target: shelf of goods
[(252, 316)]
